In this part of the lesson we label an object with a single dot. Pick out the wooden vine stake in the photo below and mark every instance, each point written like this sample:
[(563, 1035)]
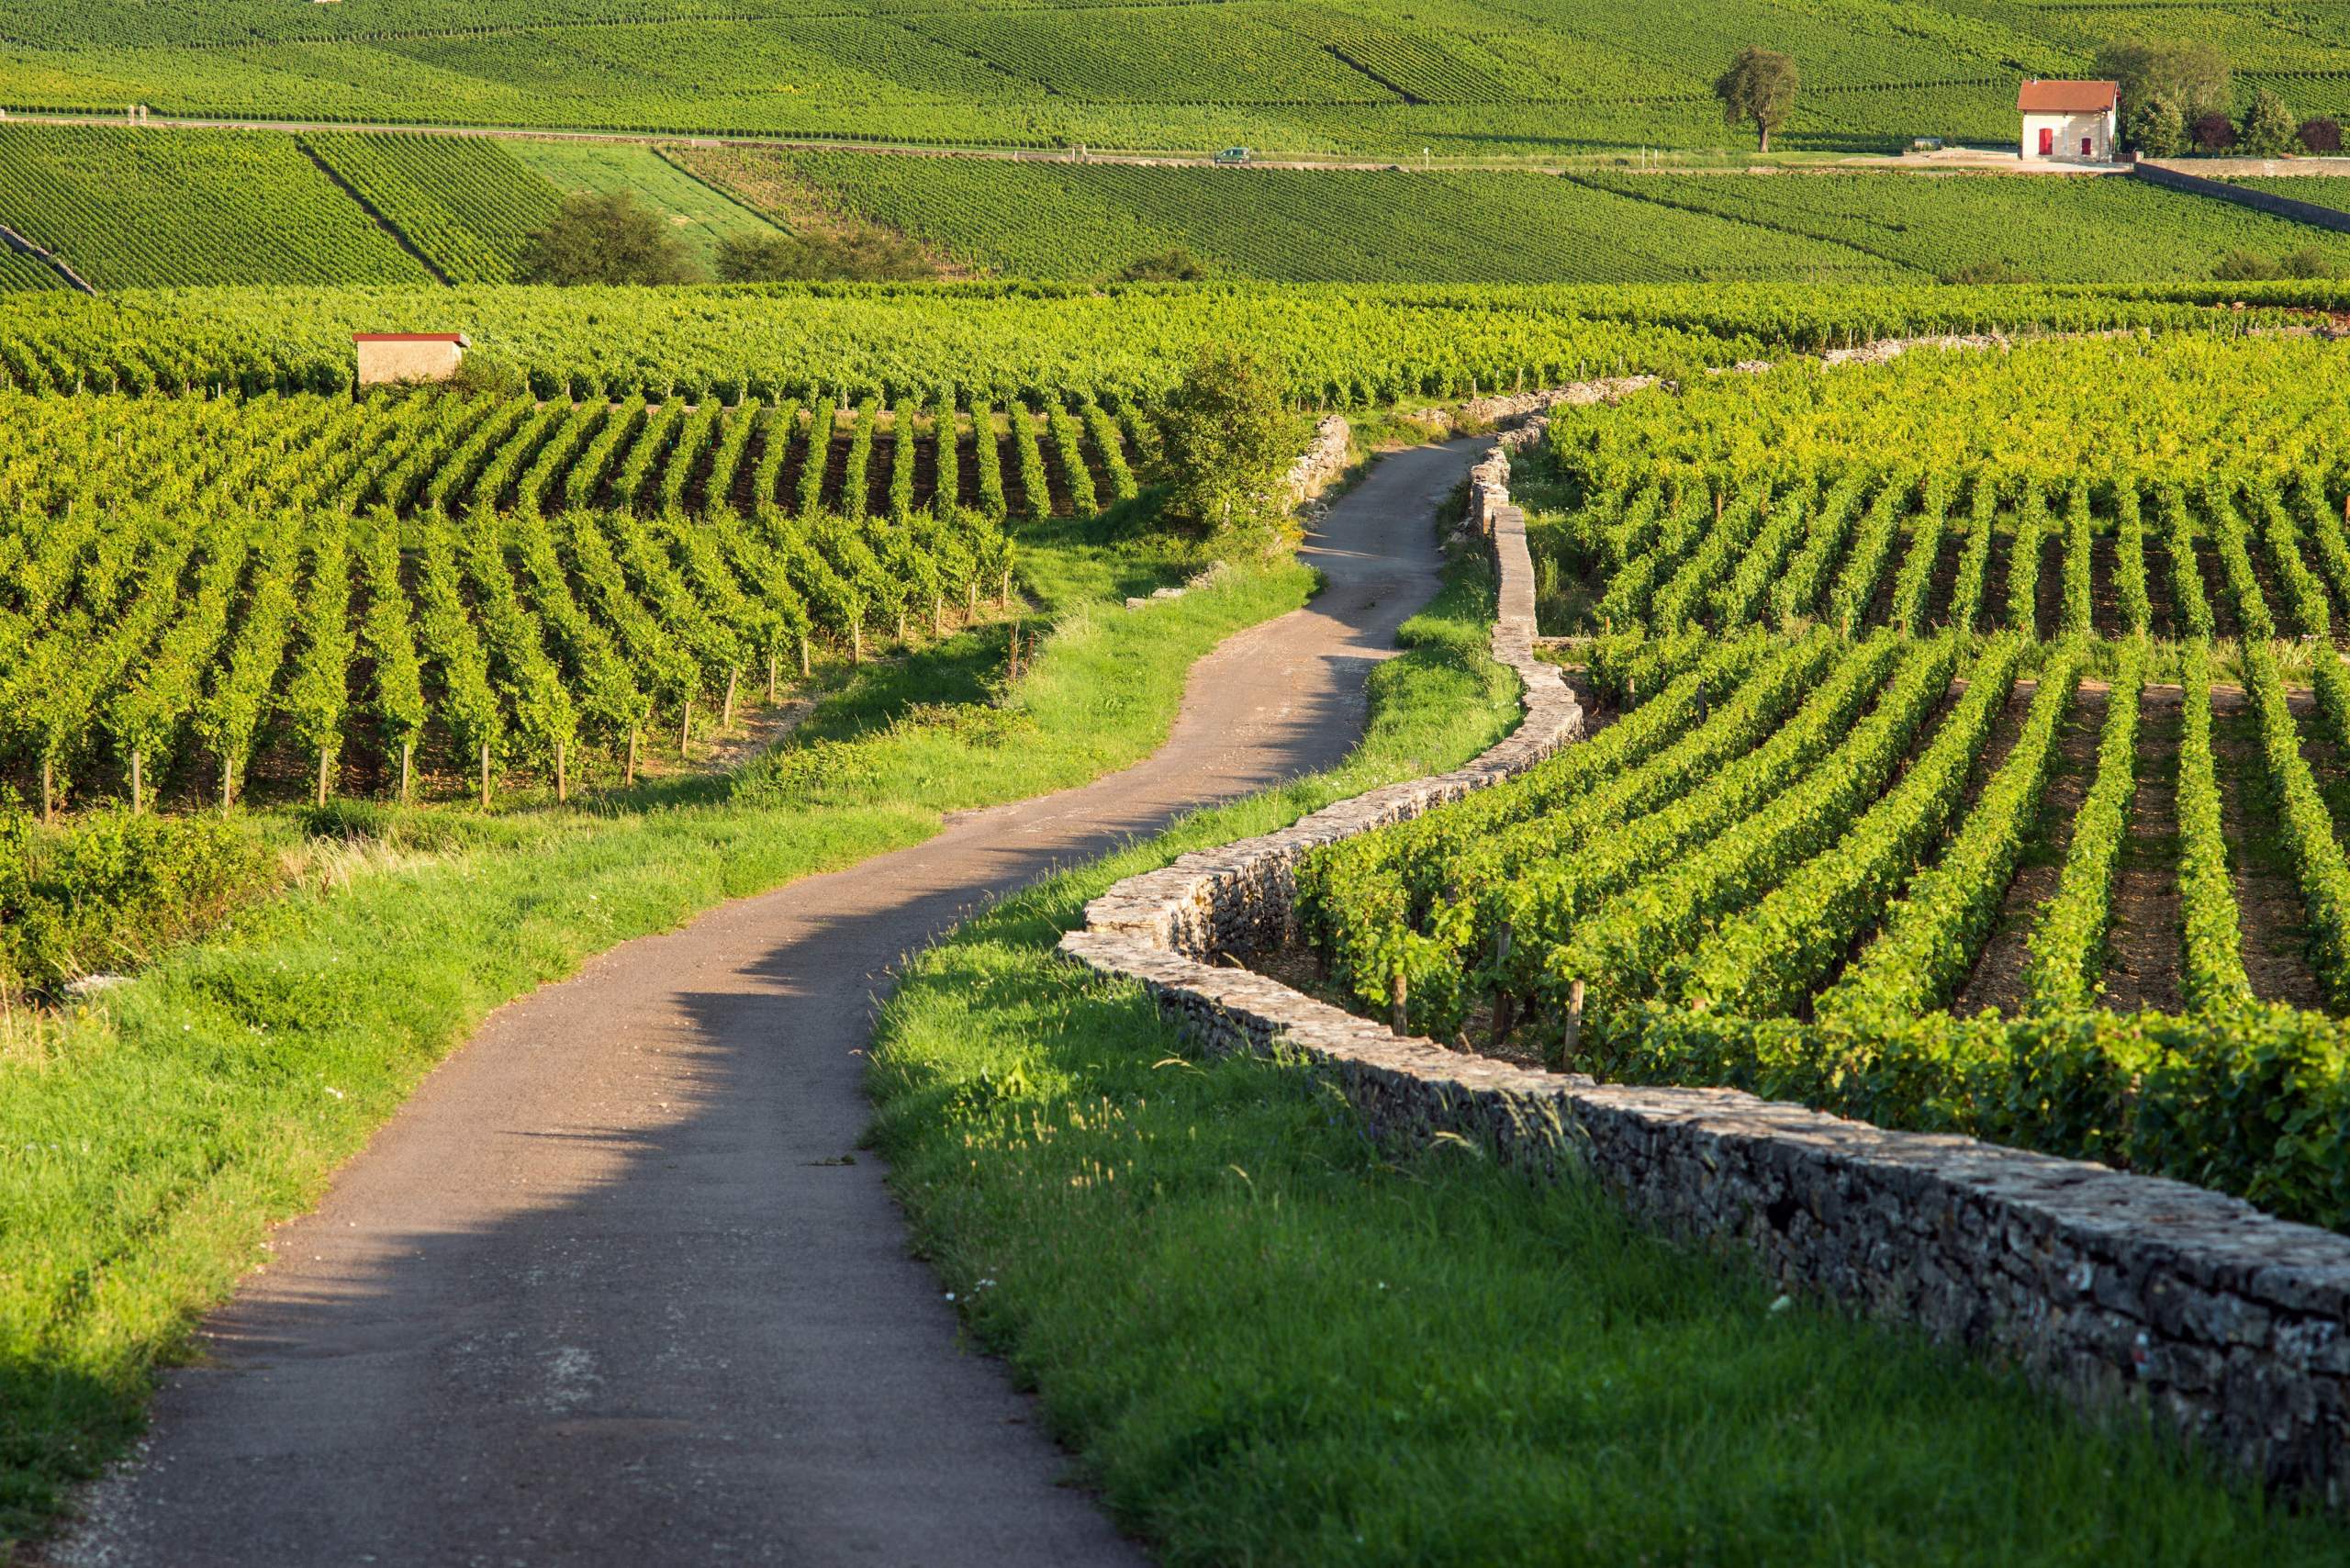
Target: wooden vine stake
[(726, 717), (856, 644), (807, 668), (408, 768), (485, 775), (561, 776), (1399, 1017), (323, 766), (137, 781), (631, 754), (228, 784), (686, 727), (1501, 993), (1573, 1039), (902, 624), (937, 615), (771, 663)]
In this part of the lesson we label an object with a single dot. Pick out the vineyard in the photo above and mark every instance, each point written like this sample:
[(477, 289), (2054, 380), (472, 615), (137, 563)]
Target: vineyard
[(1972, 752), (2049, 230), (424, 594), (139, 209), (1344, 346), (1346, 75), (465, 205)]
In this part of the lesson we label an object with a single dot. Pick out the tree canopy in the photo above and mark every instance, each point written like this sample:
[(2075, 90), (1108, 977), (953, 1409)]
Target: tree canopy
[(2194, 76), (864, 254), (1228, 437), (1760, 86), (608, 237)]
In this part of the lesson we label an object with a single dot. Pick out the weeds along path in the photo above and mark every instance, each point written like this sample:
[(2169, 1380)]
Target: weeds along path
[(617, 1286)]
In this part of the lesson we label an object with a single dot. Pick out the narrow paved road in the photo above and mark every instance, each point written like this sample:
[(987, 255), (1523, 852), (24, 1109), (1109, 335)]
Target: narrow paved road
[(605, 1291)]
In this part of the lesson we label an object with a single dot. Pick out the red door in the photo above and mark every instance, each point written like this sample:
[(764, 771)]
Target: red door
[(2084, 147), (2047, 141)]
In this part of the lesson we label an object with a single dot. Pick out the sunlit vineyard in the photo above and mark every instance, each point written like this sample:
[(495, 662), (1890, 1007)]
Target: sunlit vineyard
[(1341, 345), (1349, 75), (1972, 746), (134, 209), (431, 593), (466, 203)]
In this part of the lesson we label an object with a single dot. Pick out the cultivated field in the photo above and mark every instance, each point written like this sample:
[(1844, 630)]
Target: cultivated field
[(1965, 707), (1352, 76)]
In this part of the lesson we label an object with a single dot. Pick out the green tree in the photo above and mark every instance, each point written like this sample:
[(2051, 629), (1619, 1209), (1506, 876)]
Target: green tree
[(2269, 130), (1228, 438), (1760, 86), (864, 255), (2156, 127), (612, 238), (2192, 75)]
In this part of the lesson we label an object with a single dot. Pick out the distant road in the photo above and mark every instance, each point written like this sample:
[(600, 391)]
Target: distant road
[(1957, 159)]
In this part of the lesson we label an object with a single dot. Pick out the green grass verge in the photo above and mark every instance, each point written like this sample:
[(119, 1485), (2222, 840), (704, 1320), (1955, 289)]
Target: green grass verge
[(149, 1138), (1270, 1342), (698, 214)]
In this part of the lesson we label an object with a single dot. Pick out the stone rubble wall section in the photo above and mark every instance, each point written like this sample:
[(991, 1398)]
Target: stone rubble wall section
[(2225, 1322), (1323, 459)]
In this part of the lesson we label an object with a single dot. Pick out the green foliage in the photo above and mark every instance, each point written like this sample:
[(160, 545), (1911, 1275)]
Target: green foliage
[(109, 891), (2155, 127), (610, 239), (2268, 128), (1177, 265), (1757, 88), (467, 203), (1228, 437), (866, 253), (2192, 74)]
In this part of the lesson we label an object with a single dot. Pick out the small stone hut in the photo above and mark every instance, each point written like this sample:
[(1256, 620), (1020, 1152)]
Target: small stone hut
[(408, 356), (2073, 121)]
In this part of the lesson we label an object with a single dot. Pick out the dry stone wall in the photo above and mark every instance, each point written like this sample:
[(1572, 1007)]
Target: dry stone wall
[(2106, 1287)]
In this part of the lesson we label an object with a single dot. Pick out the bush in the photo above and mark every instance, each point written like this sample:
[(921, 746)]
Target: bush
[(2268, 131), (109, 891), (2322, 134), (2214, 132), (1228, 438), (864, 254), (611, 239), (2250, 266), (2156, 127)]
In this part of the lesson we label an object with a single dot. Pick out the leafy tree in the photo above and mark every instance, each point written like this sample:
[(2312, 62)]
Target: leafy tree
[(2268, 131), (2214, 133), (2250, 266), (2322, 134), (1178, 265), (2192, 75), (1760, 85), (862, 254), (605, 239), (1229, 437), (2156, 127)]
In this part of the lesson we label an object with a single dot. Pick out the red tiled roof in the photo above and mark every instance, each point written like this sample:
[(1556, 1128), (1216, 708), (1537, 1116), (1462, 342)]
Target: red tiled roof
[(2067, 97), (411, 338)]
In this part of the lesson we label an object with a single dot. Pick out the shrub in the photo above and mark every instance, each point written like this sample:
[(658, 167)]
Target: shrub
[(2247, 266), (864, 254), (111, 890), (2192, 75), (2156, 127), (2322, 134), (2268, 131), (611, 239), (1229, 437), (2214, 132)]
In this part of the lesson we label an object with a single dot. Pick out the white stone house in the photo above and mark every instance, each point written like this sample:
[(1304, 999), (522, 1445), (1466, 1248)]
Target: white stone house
[(2070, 121)]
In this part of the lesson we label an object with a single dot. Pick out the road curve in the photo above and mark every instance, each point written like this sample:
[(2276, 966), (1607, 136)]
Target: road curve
[(605, 1290)]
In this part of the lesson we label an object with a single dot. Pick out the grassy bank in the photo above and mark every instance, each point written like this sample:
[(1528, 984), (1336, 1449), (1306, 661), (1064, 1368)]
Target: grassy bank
[(1269, 1342), (150, 1136)]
